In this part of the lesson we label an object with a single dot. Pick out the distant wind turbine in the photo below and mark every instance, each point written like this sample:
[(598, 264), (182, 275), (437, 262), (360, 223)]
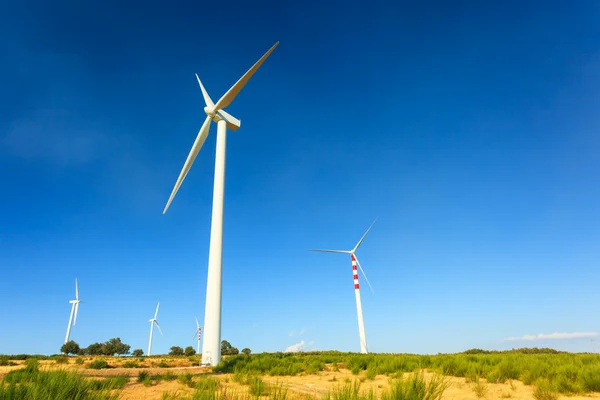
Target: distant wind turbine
[(74, 309), (153, 322), (355, 262), (211, 348), (197, 335)]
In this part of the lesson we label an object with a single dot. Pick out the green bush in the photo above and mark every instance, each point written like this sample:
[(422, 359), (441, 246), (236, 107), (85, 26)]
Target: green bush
[(98, 364), (130, 364), (32, 384)]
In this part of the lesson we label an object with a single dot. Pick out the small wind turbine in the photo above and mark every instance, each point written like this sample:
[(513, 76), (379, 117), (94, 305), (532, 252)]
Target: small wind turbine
[(74, 309), (355, 262), (153, 322), (211, 348), (197, 334)]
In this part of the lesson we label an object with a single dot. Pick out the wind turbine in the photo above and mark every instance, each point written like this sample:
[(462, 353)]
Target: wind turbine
[(211, 348), (197, 334), (74, 309), (153, 322), (355, 262)]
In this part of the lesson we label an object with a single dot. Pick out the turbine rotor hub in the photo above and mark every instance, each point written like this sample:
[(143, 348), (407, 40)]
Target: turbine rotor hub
[(210, 112)]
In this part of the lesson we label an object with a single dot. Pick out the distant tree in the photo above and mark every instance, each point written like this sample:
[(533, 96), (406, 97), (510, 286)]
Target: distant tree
[(138, 353), (189, 351), (70, 348), (95, 349), (176, 351), (228, 349), (115, 346), (246, 351)]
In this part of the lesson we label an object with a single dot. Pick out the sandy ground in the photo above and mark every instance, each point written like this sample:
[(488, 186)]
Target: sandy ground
[(298, 387)]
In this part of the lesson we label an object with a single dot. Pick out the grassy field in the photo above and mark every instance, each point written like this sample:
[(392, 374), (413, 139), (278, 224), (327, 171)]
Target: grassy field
[(525, 374)]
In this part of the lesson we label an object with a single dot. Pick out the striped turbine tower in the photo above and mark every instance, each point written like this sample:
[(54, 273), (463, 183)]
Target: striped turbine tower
[(361, 322), (355, 263)]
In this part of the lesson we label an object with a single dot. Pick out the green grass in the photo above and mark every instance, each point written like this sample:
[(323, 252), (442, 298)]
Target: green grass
[(569, 373), (416, 387), (98, 364), (32, 384), (130, 364)]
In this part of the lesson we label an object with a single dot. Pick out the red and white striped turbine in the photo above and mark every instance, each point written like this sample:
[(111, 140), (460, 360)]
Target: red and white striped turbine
[(361, 323)]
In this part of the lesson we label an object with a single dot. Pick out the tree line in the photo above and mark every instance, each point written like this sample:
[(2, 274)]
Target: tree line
[(116, 346)]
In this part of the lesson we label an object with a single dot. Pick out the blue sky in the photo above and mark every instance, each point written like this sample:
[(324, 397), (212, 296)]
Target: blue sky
[(470, 129)]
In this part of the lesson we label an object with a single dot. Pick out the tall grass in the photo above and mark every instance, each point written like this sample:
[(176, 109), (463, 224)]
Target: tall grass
[(416, 387), (32, 384), (568, 372)]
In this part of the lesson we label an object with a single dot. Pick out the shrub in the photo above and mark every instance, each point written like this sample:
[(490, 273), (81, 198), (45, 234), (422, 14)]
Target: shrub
[(142, 375), (416, 388), (544, 391), (130, 364), (98, 364), (79, 361), (62, 360)]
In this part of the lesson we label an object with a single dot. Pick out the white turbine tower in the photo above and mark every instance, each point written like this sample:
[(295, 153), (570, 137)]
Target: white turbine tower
[(153, 322), (211, 348), (355, 262), (74, 309), (197, 335)]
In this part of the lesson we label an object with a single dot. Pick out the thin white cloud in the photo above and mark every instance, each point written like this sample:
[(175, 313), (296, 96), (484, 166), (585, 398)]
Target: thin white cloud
[(295, 348), (555, 335), (292, 333), (302, 331)]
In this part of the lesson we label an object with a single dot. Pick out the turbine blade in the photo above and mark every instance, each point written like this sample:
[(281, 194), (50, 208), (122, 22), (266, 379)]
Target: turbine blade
[(156, 313), (207, 100), (76, 290), (196, 333), (365, 275), (158, 326), (197, 324), (76, 309), (333, 251), (363, 238), (235, 89), (202, 135)]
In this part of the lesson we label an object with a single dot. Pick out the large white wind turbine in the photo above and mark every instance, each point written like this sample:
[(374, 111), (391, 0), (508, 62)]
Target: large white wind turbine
[(197, 336), (355, 262), (153, 322), (74, 309), (211, 348)]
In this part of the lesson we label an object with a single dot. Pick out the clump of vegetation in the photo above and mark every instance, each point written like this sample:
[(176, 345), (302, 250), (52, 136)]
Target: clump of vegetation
[(480, 389), (544, 391), (130, 364), (163, 364), (186, 379), (350, 391), (98, 364), (62, 360), (416, 387), (32, 384)]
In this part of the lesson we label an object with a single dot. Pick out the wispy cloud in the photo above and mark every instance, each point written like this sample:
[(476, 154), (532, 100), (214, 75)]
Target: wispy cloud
[(555, 335), (295, 348), (292, 333)]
